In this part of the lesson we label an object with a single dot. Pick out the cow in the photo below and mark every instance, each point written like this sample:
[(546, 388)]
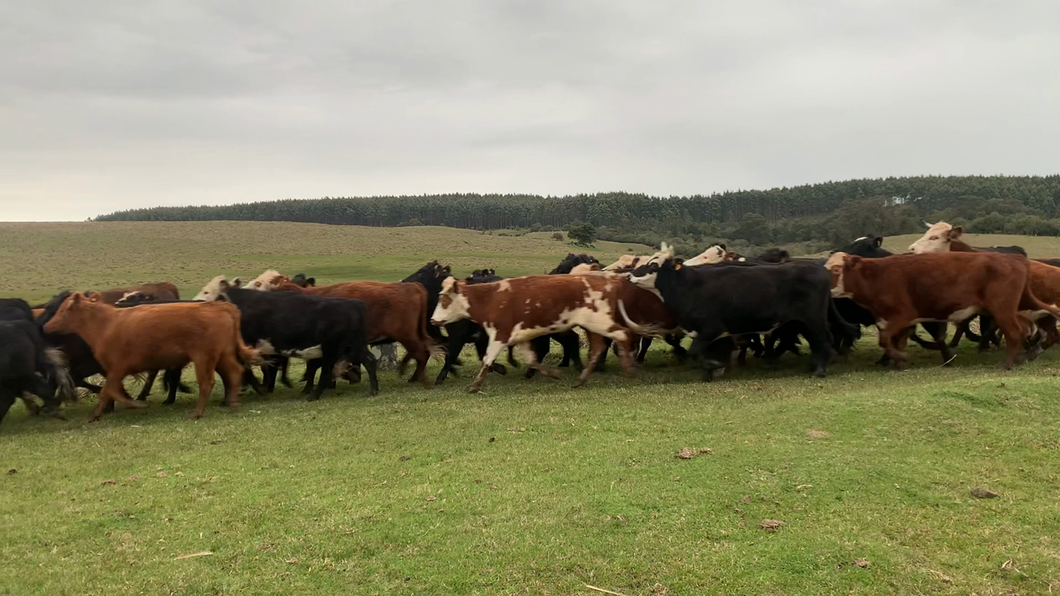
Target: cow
[(288, 323), (24, 355), (466, 331), (774, 255), (515, 311), (626, 263), (943, 237), (714, 254), (903, 289), (171, 378), (718, 301), (162, 291), (128, 341), (396, 312), (568, 340), (871, 247)]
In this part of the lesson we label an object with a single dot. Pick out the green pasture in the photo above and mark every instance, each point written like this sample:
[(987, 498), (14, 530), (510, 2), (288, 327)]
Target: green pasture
[(529, 487)]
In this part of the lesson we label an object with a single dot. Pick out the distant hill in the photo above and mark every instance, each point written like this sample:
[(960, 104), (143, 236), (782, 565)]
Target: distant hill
[(826, 213)]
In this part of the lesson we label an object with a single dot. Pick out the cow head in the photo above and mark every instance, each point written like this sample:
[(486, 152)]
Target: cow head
[(645, 273), (302, 281), (714, 254), (583, 268), (625, 263), (937, 238), (134, 298), (217, 288), (838, 264), (868, 247), (452, 304), (267, 281), (65, 318)]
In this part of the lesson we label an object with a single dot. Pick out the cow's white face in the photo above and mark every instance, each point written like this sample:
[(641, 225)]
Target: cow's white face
[(714, 254), (264, 282), (623, 262), (834, 265), (452, 305), (584, 268), (936, 239), (647, 270), (216, 288)]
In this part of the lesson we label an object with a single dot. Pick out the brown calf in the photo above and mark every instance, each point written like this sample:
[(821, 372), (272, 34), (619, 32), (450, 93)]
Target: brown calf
[(128, 341), (903, 290), (515, 311), (396, 312)]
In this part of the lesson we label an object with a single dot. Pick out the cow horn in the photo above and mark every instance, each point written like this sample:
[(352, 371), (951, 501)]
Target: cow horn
[(926, 224)]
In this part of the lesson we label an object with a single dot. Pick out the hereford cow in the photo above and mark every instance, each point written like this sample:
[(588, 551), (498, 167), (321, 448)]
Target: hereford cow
[(903, 289), (466, 331), (396, 312), (943, 237), (871, 247), (289, 323), (517, 310), (717, 301), (568, 340), (127, 341), (714, 254), (626, 263)]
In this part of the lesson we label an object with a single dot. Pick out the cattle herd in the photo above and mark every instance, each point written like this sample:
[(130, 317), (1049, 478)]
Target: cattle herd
[(726, 304)]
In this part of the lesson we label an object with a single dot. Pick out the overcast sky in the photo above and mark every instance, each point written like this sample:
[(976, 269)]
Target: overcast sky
[(114, 105)]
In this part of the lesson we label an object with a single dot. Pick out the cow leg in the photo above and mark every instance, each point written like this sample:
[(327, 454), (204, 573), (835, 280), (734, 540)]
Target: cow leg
[(699, 350), (645, 345), (542, 345), (892, 330), (987, 333), (204, 375), (422, 355), (148, 384), (1014, 333), (821, 352), (250, 379), (367, 360), (572, 347), (597, 348), (493, 349), (962, 328), (171, 381), (1048, 327), (527, 352), (311, 367), (231, 371), (7, 398), (327, 372), (269, 374), (105, 398)]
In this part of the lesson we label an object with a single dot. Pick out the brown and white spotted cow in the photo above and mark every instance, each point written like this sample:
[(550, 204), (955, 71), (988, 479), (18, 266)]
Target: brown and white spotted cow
[(517, 310), (903, 290)]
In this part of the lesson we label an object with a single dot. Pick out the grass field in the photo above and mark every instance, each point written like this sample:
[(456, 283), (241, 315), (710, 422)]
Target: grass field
[(530, 486)]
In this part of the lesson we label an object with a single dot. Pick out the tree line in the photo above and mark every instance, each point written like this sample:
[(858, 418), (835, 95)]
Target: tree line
[(828, 212)]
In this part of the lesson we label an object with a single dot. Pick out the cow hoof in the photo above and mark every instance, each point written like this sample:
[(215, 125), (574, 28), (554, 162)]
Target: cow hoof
[(195, 415), (820, 373), (169, 402), (472, 389), (312, 397), (136, 405), (578, 383)]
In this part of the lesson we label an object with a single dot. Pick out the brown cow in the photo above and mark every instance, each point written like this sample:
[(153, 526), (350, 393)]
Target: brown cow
[(161, 291), (128, 341), (396, 312), (516, 310), (903, 290)]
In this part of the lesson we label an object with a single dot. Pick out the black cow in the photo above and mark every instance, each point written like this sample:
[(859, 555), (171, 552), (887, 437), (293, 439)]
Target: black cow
[(27, 365), (717, 301), (290, 322), (302, 281), (774, 255), (871, 247), (431, 276)]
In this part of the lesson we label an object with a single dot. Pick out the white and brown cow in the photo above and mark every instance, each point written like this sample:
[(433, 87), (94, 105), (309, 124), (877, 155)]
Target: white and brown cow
[(515, 311), (711, 256)]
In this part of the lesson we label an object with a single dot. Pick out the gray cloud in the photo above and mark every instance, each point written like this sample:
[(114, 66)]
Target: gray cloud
[(111, 105)]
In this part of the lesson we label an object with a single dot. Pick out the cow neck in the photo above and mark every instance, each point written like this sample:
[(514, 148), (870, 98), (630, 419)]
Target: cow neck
[(92, 321), (668, 282), (960, 246)]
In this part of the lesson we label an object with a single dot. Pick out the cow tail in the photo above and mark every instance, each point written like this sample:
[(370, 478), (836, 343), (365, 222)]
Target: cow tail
[(247, 355), (60, 372), (646, 330), (838, 323), (1028, 294)]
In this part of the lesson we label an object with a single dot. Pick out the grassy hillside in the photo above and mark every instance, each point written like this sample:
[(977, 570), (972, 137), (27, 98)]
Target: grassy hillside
[(46, 258), (529, 486)]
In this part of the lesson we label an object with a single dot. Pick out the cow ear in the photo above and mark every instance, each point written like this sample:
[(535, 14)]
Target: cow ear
[(723, 247), (224, 285), (853, 261), (956, 232), (678, 263), (879, 241), (312, 281), (77, 298)]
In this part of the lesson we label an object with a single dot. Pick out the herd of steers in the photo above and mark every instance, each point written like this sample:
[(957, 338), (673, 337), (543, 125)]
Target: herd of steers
[(724, 303)]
